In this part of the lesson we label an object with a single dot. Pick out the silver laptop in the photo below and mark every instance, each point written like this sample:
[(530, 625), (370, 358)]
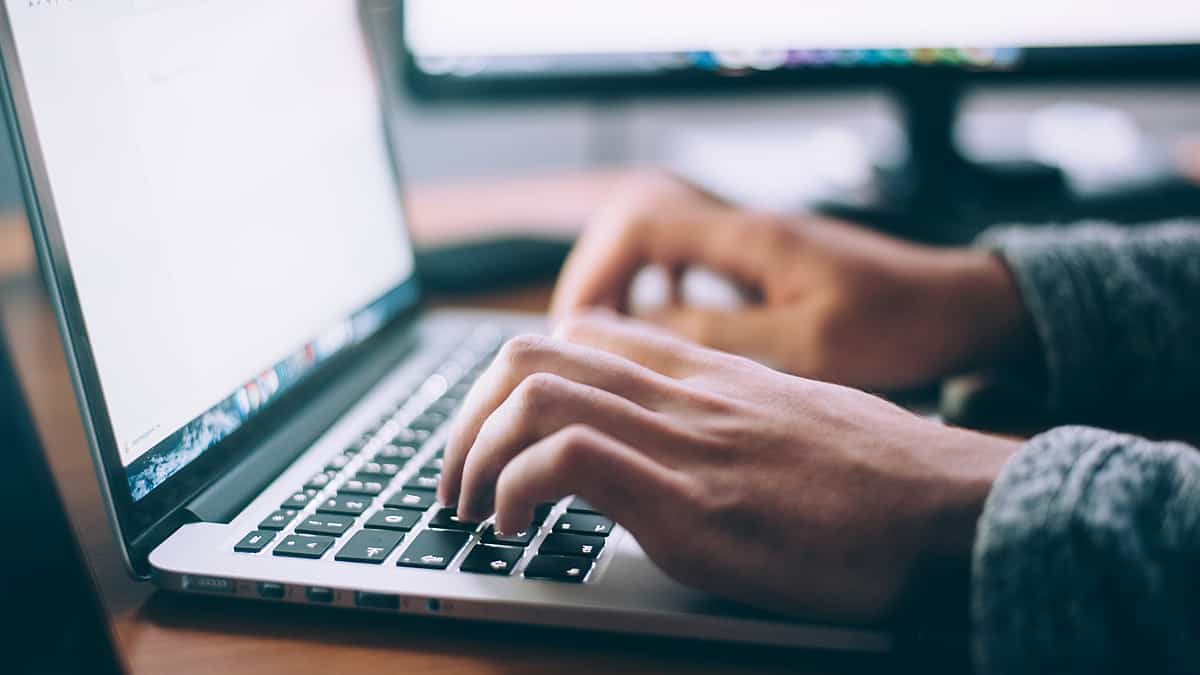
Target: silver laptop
[(214, 199)]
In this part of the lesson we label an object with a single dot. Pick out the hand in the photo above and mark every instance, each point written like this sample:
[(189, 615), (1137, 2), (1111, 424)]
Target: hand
[(784, 493), (835, 302)]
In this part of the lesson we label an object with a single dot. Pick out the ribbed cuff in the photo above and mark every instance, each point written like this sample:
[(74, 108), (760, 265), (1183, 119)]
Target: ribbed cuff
[(1059, 286), (1085, 557)]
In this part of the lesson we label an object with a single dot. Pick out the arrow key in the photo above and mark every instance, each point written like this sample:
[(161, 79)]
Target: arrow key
[(433, 549), (485, 559), (568, 568)]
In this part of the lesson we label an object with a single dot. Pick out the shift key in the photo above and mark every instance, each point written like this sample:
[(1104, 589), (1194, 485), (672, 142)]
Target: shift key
[(433, 549)]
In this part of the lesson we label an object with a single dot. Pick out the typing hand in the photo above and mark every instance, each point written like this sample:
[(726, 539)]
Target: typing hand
[(785, 493), (834, 301)]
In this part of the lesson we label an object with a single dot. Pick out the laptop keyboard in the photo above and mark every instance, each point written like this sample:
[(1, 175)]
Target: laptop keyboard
[(377, 496)]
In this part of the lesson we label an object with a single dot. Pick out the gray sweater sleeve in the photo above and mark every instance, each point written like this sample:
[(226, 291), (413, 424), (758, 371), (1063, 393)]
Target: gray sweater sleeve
[(1087, 555), (1087, 558), (1116, 310)]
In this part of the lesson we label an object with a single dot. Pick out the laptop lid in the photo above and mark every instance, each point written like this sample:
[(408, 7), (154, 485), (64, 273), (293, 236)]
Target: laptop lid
[(57, 622), (217, 210)]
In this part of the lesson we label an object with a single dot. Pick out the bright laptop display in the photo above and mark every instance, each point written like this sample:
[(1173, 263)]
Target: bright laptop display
[(226, 201)]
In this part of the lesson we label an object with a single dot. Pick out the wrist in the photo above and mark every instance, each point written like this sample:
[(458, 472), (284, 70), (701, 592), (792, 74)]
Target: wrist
[(967, 464), (980, 297)]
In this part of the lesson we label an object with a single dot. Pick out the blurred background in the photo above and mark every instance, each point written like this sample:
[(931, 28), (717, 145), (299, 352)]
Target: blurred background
[(1109, 128)]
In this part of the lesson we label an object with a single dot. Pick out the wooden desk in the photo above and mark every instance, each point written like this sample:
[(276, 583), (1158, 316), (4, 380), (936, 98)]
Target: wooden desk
[(169, 633)]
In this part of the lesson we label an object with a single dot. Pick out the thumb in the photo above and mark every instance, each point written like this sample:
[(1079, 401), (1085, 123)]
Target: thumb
[(756, 332)]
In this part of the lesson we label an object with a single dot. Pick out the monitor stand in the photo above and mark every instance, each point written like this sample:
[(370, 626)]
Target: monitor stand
[(936, 193)]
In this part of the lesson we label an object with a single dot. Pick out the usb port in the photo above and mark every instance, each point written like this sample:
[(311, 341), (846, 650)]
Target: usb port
[(319, 594), (376, 600), (270, 590)]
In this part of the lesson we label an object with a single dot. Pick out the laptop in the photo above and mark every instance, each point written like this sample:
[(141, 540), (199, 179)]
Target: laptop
[(60, 624), (212, 186)]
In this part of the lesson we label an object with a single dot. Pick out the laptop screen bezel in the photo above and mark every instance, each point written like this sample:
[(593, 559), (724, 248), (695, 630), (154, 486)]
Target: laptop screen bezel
[(132, 519)]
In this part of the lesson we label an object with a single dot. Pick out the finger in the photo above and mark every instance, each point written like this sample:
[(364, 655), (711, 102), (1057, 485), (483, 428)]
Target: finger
[(541, 405), (599, 270), (752, 332), (640, 342), (621, 482), (525, 355)]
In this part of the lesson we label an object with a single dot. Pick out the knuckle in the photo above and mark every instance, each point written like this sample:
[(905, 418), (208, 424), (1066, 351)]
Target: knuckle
[(534, 395), (522, 350), (539, 389), (572, 445)]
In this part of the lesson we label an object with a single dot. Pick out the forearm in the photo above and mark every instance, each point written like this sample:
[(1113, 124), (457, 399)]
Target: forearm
[(1086, 558)]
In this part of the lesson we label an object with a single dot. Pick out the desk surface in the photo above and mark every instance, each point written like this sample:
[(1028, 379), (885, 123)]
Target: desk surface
[(168, 633)]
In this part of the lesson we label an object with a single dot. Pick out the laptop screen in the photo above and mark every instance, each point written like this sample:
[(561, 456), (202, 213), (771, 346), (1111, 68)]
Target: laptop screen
[(226, 200)]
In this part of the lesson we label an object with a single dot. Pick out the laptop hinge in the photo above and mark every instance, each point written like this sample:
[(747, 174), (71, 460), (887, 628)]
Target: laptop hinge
[(228, 495)]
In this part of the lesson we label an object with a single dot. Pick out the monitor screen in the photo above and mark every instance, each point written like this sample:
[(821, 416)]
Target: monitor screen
[(226, 201), (521, 39)]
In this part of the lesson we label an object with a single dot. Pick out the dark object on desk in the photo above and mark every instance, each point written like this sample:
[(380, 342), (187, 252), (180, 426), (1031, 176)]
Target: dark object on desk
[(491, 264), (57, 622)]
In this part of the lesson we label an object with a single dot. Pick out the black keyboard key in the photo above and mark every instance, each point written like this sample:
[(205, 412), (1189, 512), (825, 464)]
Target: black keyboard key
[(412, 499), (278, 520), (379, 471), (328, 524), (298, 500), (420, 482), (346, 506), (582, 523), (369, 488), (319, 481), (446, 519), (337, 463), (369, 546), (491, 560), (541, 512), (521, 538), (303, 546), (395, 454), (254, 542), (433, 549), (399, 520), (578, 505), (582, 545), (571, 569)]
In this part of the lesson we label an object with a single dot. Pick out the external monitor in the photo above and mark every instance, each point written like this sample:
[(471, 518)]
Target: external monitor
[(924, 52)]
